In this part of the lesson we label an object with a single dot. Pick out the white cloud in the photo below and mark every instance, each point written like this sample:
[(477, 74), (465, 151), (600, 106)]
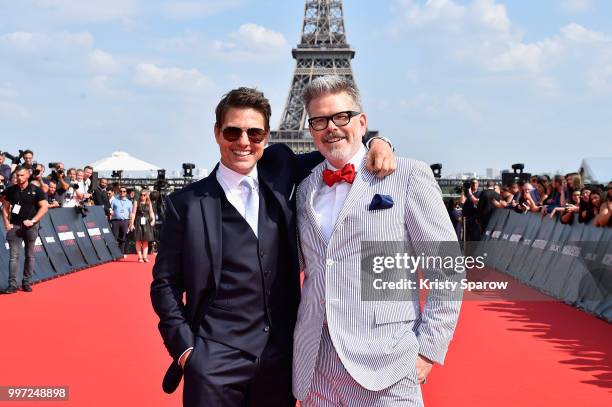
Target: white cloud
[(460, 104), (26, 42), (83, 11), (480, 35), (256, 37), (103, 62), (13, 111), (6, 91), (186, 10), (250, 43), (576, 5), (173, 79), (578, 33)]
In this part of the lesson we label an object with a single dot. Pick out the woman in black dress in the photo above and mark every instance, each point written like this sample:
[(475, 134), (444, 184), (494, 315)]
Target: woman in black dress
[(142, 221)]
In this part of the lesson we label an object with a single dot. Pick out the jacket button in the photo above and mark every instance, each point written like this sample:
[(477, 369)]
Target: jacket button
[(261, 253), (267, 292), (267, 329)]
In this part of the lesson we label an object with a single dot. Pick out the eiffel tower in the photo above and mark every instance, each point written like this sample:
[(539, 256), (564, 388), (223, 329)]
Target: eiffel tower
[(323, 50)]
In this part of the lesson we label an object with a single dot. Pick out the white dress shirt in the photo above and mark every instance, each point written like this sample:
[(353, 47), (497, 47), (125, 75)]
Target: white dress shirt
[(328, 201), (237, 193)]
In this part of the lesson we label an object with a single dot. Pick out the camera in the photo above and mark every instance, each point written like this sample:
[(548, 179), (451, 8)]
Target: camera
[(35, 170), (57, 174), (74, 186), (82, 210)]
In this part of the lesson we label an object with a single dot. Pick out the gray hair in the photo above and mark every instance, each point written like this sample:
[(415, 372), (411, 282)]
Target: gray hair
[(331, 84)]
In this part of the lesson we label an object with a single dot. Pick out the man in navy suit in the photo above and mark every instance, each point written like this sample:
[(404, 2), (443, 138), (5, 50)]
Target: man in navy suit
[(229, 244)]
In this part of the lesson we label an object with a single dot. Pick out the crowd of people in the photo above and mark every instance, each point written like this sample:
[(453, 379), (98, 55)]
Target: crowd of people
[(27, 193), (563, 197)]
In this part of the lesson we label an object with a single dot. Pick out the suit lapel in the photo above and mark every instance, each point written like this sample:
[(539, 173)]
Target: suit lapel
[(311, 186), (362, 181), (211, 213)]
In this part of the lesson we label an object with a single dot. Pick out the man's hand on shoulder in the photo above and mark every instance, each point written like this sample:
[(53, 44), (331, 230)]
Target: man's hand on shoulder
[(423, 367), (381, 160)]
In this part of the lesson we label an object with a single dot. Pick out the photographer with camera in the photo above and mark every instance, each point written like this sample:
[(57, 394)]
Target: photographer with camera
[(37, 177), (24, 204), (84, 196), (73, 195), (57, 177)]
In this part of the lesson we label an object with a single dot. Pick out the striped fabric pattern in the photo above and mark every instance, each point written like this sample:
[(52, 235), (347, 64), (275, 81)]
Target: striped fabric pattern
[(377, 341)]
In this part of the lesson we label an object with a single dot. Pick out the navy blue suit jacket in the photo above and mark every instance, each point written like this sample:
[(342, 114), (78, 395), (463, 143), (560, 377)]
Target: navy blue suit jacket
[(189, 258)]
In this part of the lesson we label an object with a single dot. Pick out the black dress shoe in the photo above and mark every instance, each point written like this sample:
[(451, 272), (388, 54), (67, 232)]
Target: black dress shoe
[(10, 290), (27, 288)]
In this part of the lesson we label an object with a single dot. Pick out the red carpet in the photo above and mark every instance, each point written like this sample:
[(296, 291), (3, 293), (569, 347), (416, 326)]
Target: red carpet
[(95, 331)]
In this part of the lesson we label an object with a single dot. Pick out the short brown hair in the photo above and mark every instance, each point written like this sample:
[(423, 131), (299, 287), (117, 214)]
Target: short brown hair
[(244, 98)]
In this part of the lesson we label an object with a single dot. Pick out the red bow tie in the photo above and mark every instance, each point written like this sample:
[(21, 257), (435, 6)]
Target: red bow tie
[(347, 174)]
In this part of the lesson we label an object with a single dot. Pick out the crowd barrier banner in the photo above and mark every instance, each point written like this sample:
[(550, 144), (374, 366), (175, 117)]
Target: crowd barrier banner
[(94, 230), (490, 246), (63, 223), (572, 263), (553, 248), (564, 268), (83, 239), (52, 245), (66, 242), (521, 256), (604, 309), (107, 235), (590, 293), (517, 223), (537, 249), (43, 270)]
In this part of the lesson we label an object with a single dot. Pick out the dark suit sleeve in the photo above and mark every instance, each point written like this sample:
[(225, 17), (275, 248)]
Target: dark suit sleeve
[(304, 163), (168, 286)]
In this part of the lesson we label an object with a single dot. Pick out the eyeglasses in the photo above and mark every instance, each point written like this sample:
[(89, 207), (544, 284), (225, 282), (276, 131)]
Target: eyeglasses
[(255, 134), (339, 119), (123, 191)]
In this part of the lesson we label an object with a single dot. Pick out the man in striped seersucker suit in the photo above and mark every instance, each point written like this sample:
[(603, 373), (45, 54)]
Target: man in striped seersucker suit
[(347, 351)]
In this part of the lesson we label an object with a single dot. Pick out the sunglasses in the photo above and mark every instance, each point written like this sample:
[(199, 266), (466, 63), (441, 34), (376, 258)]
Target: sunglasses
[(255, 134), (123, 191)]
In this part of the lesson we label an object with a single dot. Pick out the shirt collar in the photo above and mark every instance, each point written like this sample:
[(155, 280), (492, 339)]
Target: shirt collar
[(355, 160), (232, 178)]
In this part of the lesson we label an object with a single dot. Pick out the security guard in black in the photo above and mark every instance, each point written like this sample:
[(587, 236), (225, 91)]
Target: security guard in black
[(27, 201), (24, 205)]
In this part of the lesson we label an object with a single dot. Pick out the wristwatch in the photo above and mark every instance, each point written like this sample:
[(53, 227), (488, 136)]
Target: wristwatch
[(379, 138)]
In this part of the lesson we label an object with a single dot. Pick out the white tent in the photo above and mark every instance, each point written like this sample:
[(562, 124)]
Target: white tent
[(120, 160)]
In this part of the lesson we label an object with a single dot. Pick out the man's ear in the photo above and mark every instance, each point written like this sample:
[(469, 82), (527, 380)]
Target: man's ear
[(217, 131), (363, 122)]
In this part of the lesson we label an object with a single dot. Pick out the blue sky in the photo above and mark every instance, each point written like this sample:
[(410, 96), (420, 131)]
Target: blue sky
[(471, 84)]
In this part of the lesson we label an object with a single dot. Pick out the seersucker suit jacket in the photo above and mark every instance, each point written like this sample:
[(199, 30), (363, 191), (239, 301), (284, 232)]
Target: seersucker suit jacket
[(377, 341)]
